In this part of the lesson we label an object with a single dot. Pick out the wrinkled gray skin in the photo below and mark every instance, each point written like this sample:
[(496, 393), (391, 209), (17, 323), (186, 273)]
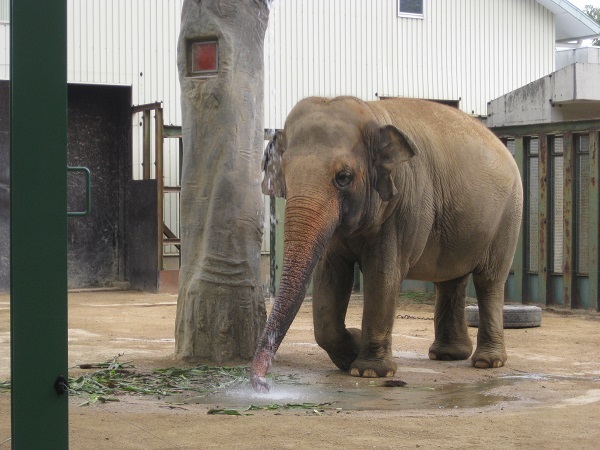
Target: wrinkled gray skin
[(408, 189)]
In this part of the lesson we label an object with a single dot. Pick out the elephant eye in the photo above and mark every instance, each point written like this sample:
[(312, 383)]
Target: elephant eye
[(343, 178)]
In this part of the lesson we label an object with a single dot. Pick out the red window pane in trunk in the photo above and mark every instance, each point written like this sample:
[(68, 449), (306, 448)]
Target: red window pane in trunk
[(204, 57)]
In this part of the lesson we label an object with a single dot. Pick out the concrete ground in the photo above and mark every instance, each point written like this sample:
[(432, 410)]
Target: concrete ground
[(547, 396)]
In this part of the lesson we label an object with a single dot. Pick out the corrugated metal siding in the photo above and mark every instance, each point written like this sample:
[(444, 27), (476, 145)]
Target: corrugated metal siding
[(4, 39), (4, 10), (4, 51), (133, 43), (472, 50)]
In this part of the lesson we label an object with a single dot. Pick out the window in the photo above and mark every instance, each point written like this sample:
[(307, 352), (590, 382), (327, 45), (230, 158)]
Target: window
[(4, 11), (532, 224), (557, 200), (510, 145), (203, 59), (410, 8)]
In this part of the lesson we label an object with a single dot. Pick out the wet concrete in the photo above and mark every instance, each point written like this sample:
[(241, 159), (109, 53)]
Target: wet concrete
[(373, 395)]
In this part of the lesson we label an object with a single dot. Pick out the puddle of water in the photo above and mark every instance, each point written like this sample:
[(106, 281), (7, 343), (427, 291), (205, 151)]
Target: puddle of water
[(364, 397), (591, 396)]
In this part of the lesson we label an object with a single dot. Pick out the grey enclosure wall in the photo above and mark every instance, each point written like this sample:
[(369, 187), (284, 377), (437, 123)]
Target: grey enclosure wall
[(99, 136)]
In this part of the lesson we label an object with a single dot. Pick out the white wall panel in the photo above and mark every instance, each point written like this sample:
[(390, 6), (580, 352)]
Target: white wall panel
[(4, 51), (467, 50)]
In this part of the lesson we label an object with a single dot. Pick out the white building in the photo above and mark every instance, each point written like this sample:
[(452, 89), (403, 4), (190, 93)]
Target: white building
[(465, 52)]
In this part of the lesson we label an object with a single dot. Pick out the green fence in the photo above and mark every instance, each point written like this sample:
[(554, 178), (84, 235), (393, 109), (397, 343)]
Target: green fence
[(557, 257)]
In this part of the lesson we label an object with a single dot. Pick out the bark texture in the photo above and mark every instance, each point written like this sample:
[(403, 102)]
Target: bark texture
[(220, 309)]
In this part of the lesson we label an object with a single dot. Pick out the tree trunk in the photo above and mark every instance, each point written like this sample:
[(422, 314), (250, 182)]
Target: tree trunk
[(220, 309)]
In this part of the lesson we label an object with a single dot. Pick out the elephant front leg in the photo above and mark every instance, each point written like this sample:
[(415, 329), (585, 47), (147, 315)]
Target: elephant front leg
[(375, 358), (332, 286)]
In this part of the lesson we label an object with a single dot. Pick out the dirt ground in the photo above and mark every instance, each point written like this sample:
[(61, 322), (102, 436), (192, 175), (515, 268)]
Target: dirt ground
[(548, 395)]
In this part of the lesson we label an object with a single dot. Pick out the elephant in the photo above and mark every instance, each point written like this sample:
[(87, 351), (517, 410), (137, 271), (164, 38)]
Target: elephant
[(408, 189)]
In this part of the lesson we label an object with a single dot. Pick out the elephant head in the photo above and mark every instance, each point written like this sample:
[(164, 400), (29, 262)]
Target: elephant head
[(335, 165)]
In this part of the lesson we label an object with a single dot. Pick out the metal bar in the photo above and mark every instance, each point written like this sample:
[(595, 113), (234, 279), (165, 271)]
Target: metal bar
[(147, 107), (544, 293), (519, 259), (171, 237), (146, 145), (38, 239), (594, 288), (172, 131), (172, 189), (88, 192), (160, 182), (569, 277)]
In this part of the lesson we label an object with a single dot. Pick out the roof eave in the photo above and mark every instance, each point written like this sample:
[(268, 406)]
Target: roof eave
[(571, 23)]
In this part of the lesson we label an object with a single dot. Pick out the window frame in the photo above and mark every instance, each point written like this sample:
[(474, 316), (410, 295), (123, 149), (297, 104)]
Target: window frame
[(408, 15)]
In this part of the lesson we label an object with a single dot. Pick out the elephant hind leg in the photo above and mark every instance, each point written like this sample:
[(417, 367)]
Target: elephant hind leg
[(490, 352), (452, 341)]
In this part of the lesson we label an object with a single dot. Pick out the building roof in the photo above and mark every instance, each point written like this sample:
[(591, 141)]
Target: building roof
[(571, 23), (569, 94)]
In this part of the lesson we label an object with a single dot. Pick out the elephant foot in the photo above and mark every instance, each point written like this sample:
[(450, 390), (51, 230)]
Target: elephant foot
[(450, 352), (488, 359), (343, 354), (368, 368)]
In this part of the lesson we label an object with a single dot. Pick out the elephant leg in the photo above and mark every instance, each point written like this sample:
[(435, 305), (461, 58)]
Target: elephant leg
[(375, 358), (490, 351), (452, 339), (332, 286)]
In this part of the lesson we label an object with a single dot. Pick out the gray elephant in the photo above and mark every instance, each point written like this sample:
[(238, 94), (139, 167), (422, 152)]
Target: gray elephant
[(408, 189)]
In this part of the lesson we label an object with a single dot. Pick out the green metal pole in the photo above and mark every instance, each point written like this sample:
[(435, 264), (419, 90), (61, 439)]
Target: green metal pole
[(38, 224)]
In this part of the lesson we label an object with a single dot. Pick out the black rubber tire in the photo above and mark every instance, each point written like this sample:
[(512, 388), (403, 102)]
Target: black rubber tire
[(515, 316)]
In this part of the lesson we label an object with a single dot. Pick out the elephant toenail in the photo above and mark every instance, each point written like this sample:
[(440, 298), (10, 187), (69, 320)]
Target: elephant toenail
[(355, 372), (369, 373), (389, 373)]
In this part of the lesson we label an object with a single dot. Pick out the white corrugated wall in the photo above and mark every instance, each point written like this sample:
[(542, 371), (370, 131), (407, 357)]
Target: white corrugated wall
[(4, 40), (467, 50)]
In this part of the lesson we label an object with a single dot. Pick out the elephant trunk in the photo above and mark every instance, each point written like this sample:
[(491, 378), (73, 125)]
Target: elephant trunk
[(309, 224)]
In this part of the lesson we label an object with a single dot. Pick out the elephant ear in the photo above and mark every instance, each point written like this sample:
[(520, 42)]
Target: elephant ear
[(274, 182), (394, 148)]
